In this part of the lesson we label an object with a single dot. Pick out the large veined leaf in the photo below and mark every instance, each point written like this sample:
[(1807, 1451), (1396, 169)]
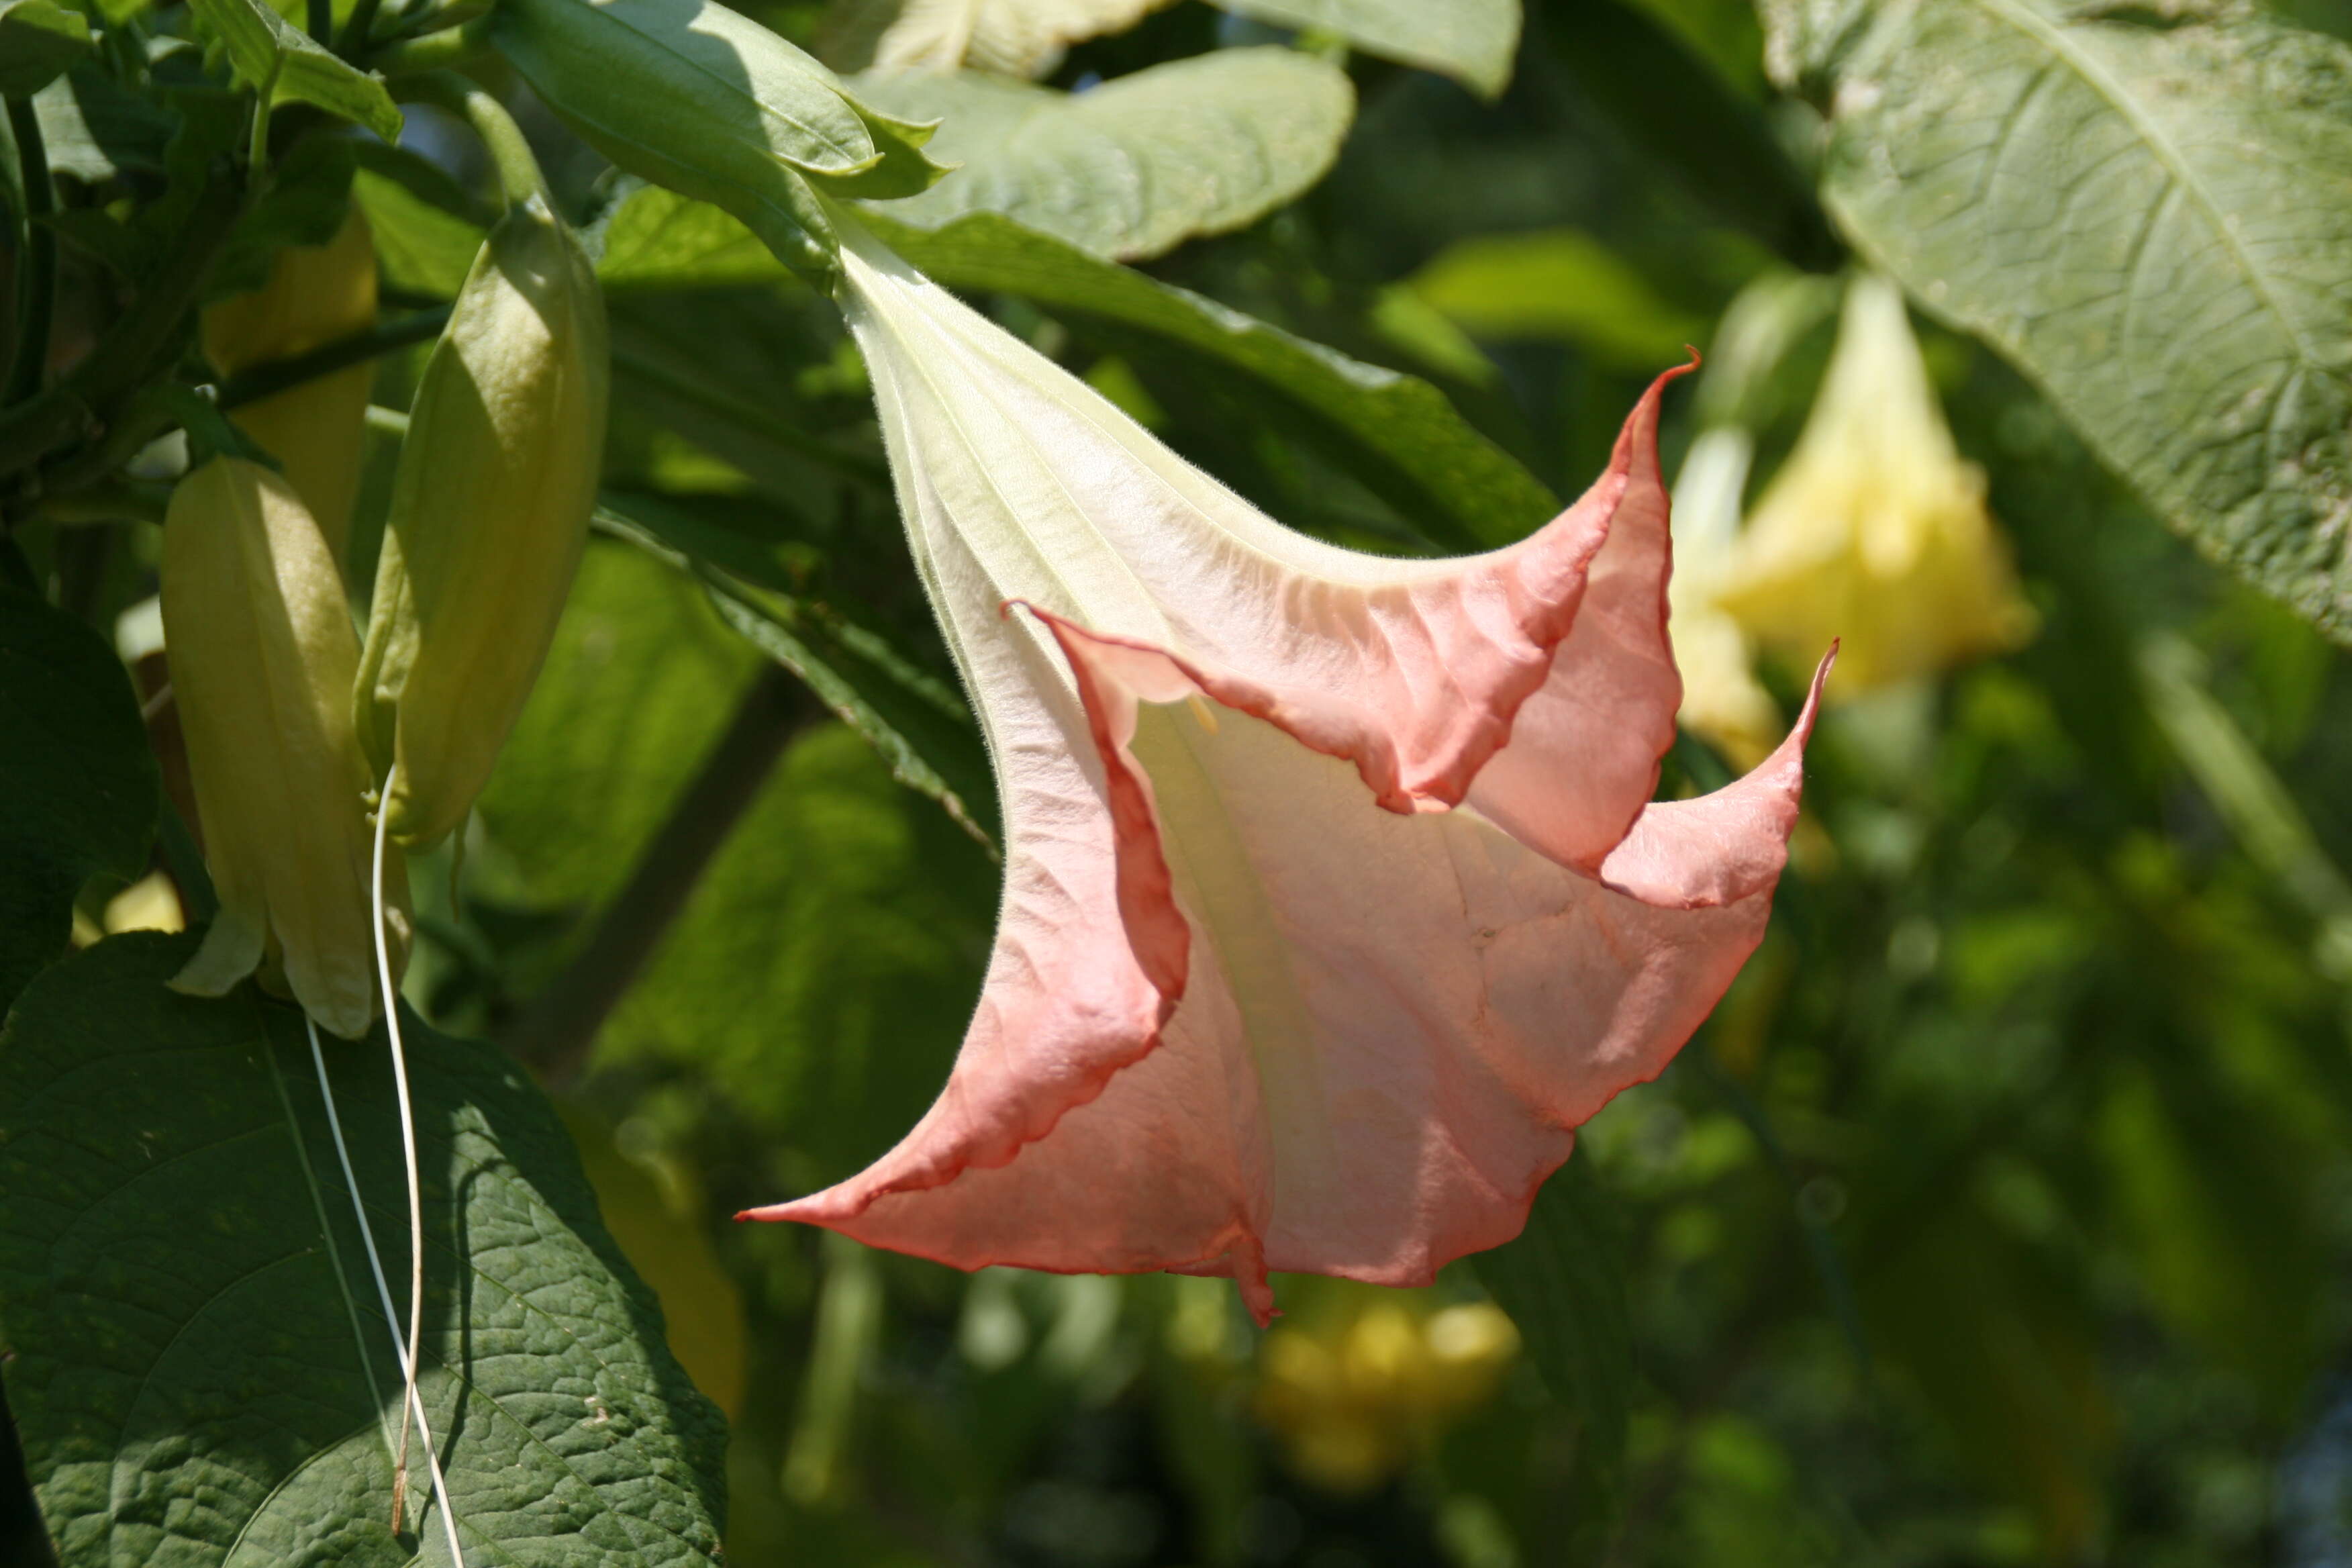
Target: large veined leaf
[(201, 1371), (1399, 435), (78, 786), (1136, 165), (2149, 210), (1470, 40), (1011, 37)]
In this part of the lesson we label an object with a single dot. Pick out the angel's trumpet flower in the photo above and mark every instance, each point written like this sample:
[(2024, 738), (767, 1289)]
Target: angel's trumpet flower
[(1875, 530), (1335, 900), (317, 431), (262, 655), (490, 515)]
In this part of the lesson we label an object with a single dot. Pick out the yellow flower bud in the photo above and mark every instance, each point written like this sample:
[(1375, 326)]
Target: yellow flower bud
[(262, 655), (317, 431), (1875, 531), (489, 514)]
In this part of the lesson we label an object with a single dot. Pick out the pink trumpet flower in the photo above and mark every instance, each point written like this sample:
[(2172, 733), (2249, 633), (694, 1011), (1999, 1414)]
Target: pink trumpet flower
[(1335, 899)]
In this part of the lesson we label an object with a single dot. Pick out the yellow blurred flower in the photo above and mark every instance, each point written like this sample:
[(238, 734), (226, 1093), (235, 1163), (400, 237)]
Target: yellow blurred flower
[(1874, 532), (1723, 702), (1352, 1389)]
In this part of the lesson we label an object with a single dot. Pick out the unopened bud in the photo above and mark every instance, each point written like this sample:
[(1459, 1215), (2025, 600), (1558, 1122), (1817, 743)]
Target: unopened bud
[(489, 514), (262, 655), (314, 296), (690, 95)]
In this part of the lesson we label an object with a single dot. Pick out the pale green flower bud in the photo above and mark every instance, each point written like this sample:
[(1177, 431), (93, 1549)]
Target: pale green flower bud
[(262, 655), (489, 513)]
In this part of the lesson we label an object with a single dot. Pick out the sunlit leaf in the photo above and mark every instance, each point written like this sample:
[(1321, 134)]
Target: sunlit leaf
[(1470, 40), (1136, 165), (1010, 37), (2145, 208)]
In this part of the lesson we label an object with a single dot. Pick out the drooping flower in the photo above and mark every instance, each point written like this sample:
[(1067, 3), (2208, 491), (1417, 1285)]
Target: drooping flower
[(262, 650), (1875, 531), (1723, 702), (1334, 897)]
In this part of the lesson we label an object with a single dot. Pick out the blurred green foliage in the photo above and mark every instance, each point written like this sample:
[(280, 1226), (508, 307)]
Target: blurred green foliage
[(2001, 1214)]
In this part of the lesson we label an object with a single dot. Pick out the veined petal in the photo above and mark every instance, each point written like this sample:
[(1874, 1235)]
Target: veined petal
[(1335, 900), (1416, 671), (1391, 1024)]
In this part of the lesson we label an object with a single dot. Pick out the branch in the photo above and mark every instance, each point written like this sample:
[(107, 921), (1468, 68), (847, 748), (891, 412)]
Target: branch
[(40, 255), (555, 1033)]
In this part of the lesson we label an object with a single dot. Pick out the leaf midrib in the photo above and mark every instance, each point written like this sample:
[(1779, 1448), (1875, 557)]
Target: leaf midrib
[(2055, 38)]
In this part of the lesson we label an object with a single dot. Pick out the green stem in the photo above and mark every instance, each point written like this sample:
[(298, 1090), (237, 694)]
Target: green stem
[(450, 48), (511, 155), (41, 296), (359, 30), (266, 380), (319, 15), (256, 152)]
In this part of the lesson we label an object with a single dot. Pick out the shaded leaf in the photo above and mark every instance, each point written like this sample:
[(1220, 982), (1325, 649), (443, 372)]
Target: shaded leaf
[(1469, 40), (426, 234), (271, 55), (37, 41), (1402, 436), (78, 786), (2145, 208), (1135, 166), (93, 127), (201, 1371)]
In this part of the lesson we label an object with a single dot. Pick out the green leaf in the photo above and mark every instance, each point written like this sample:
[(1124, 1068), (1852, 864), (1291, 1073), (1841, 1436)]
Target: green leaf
[(1469, 40), (78, 785), (271, 55), (203, 1373), (1400, 435), (426, 230), (1137, 165), (1562, 1280), (692, 96), (38, 42), (93, 127), (1010, 37), (1558, 283), (309, 193), (655, 238), (2144, 208), (918, 723)]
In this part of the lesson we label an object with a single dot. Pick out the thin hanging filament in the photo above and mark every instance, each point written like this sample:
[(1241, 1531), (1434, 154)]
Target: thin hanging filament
[(408, 1152), (383, 1293)]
